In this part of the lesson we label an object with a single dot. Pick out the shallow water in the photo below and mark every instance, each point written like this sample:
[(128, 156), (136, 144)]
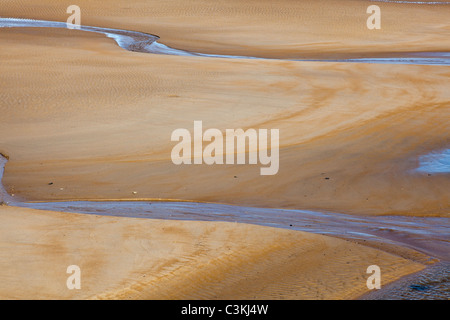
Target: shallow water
[(429, 235), (430, 284), (143, 42), (4, 196), (129, 40), (435, 162)]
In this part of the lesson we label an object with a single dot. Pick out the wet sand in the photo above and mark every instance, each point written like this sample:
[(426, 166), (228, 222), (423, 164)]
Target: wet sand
[(83, 119), (429, 284), (142, 42), (262, 28), (418, 242), (126, 258), (363, 126)]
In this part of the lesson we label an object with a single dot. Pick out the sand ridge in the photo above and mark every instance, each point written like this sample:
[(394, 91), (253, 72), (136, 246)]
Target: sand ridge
[(126, 258), (261, 28), (82, 118), (361, 125)]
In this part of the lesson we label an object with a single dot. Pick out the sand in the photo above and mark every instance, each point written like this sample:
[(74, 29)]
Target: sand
[(261, 27), (95, 120), (126, 258)]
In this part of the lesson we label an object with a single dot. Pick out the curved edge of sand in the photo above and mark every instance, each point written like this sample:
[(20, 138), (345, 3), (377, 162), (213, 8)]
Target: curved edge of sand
[(130, 258)]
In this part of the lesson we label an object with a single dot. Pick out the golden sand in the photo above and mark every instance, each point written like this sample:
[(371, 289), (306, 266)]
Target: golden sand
[(126, 258), (283, 28), (95, 120)]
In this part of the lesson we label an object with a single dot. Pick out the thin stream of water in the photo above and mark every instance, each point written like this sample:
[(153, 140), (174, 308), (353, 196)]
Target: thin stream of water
[(143, 42)]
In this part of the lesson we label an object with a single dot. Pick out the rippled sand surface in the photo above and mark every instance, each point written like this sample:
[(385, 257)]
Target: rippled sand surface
[(362, 132), (126, 258), (83, 119)]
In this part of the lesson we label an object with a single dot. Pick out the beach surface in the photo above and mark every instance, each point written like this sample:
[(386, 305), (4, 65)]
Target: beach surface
[(126, 258), (83, 119)]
